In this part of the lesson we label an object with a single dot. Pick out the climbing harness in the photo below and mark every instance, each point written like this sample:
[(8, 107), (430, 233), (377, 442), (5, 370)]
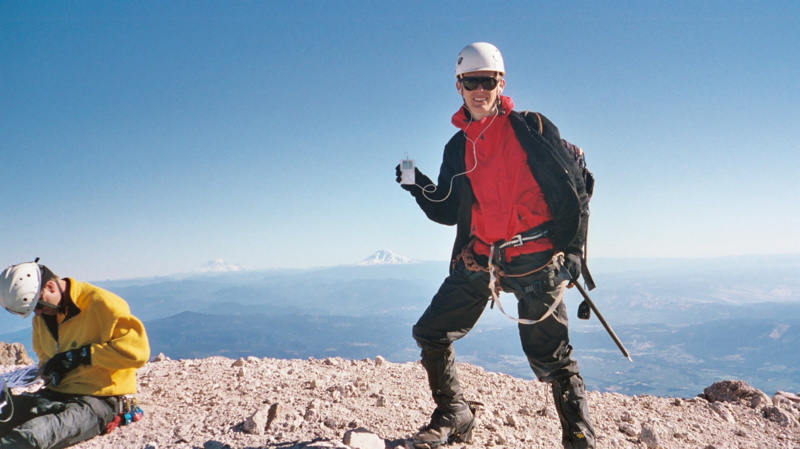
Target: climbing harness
[(522, 238), (557, 259), (496, 272), (539, 232), (128, 411)]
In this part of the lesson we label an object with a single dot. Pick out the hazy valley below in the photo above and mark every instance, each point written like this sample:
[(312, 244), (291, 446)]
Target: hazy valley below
[(687, 324)]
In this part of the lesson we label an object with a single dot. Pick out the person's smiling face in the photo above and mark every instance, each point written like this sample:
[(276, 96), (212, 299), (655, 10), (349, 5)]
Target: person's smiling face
[(480, 101)]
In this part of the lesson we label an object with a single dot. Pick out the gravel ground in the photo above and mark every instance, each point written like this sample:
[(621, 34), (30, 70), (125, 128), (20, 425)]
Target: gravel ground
[(218, 403)]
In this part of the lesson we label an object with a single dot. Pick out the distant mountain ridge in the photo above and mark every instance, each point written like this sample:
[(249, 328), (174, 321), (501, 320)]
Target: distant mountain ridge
[(386, 257), (380, 257), (686, 323)]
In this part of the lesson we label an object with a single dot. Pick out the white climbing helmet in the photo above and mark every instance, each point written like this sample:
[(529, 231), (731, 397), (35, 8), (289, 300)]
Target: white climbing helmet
[(479, 56), (19, 288)]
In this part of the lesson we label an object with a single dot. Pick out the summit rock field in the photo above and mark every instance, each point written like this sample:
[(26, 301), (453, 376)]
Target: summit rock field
[(217, 403)]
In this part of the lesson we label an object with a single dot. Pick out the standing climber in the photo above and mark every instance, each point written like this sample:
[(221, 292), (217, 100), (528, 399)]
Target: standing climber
[(521, 208), (89, 346)]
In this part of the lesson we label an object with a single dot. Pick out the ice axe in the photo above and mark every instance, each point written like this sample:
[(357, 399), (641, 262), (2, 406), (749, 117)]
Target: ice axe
[(584, 313)]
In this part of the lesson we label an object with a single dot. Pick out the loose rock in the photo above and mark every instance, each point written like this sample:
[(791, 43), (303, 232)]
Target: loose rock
[(296, 404)]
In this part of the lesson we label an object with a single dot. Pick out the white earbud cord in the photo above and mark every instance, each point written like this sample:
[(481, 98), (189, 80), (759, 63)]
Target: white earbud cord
[(426, 190)]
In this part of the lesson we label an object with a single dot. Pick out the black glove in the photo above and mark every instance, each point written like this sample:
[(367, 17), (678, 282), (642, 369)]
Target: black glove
[(63, 362), (572, 263), (399, 174), (419, 179)]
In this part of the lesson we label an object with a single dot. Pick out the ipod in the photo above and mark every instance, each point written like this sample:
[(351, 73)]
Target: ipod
[(407, 171)]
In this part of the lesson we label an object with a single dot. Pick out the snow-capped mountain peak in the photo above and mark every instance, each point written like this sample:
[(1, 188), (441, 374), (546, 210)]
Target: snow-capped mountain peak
[(386, 257), (219, 266)]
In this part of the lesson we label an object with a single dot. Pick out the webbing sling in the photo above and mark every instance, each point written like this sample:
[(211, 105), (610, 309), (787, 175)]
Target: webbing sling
[(562, 286)]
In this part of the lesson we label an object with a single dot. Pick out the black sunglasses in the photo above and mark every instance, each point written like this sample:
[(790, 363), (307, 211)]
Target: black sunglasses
[(472, 82)]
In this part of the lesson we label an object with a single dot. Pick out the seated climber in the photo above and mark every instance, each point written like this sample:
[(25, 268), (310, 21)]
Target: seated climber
[(89, 347)]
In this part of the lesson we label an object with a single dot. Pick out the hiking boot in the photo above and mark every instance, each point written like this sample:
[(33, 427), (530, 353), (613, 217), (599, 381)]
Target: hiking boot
[(454, 417), (445, 428), (573, 411)]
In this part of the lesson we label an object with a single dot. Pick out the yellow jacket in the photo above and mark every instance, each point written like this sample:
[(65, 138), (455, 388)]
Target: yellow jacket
[(99, 318)]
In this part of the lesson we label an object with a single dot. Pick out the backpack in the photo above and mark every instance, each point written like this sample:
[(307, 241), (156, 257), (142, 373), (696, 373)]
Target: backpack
[(576, 155)]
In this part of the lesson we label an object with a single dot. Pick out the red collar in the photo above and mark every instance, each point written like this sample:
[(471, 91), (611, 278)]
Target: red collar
[(462, 117)]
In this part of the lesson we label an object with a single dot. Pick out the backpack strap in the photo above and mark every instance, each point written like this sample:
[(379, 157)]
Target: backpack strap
[(539, 119)]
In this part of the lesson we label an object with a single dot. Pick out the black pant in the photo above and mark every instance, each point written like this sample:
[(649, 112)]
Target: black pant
[(50, 420), (463, 296)]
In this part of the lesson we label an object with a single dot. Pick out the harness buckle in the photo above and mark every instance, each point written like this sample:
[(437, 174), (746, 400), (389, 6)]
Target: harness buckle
[(524, 237), (514, 241)]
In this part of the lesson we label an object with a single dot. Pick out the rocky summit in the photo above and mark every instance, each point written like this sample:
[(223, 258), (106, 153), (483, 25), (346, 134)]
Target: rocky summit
[(218, 403), (14, 354)]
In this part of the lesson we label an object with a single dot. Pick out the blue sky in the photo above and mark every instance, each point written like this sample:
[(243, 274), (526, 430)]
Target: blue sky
[(146, 138)]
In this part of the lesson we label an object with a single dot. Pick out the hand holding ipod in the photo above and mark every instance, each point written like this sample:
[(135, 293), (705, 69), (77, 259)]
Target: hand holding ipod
[(416, 178)]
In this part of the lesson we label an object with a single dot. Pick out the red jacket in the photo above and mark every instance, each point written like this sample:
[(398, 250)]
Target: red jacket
[(508, 199)]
